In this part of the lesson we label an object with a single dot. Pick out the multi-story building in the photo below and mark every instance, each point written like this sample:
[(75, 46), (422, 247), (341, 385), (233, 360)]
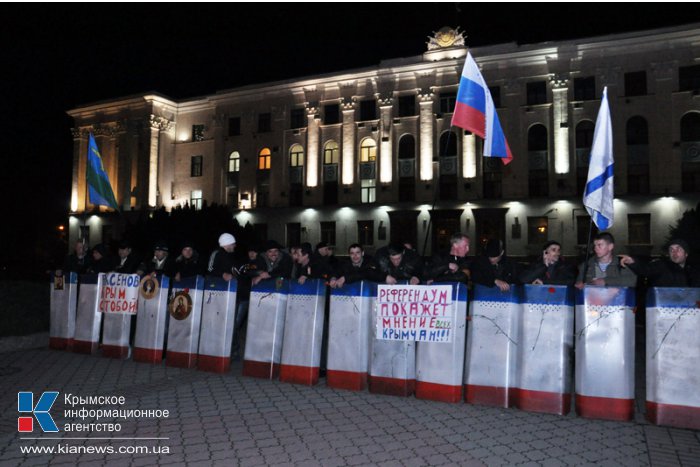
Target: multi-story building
[(369, 155)]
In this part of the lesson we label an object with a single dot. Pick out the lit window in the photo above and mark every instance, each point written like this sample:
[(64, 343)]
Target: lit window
[(368, 150), (264, 159), (234, 162), (537, 230), (196, 199), (296, 156), (331, 153), (369, 191)]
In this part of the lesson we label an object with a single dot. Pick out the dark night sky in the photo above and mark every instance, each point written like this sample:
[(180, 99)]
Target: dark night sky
[(58, 57)]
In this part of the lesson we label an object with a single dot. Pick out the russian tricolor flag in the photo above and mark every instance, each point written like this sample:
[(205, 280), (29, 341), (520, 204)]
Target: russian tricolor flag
[(475, 112)]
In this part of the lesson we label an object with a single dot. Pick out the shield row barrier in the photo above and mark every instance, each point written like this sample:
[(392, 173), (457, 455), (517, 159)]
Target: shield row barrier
[(512, 349)]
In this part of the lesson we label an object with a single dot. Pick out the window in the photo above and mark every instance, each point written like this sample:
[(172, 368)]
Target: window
[(637, 156), (264, 159), (584, 141), (537, 93), (196, 199), (328, 232), (448, 144), (493, 177), (495, 95), (690, 158), (583, 225), (365, 232), (196, 166), (331, 153), (297, 117), (296, 156), (368, 150), (639, 229), (407, 106), (234, 162), (368, 110), (689, 78), (584, 88), (197, 132), (636, 83), (369, 190), (234, 126), (537, 230), (537, 161), (331, 114), (264, 123), (447, 102), (407, 147)]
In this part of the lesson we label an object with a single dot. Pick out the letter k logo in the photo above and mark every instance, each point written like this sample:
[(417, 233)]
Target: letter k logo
[(25, 403)]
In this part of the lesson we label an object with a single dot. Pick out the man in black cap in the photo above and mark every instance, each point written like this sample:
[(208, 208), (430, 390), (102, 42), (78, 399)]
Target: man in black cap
[(273, 262), (494, 268), (161, 263), (324, 253), (550, 269), (127, 263), (673, 271)]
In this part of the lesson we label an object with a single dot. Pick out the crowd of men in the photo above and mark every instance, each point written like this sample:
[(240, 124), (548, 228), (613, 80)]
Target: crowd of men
[(392, 264)]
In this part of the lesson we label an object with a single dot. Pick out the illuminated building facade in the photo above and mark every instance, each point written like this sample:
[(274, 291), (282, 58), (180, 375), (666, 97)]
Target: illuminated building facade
[(369, 156)]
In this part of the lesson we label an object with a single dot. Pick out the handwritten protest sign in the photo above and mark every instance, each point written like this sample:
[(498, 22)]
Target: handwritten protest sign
[(421, 313), (119, 293)]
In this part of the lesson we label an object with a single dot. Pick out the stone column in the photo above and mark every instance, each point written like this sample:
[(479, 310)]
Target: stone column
[(425, 101)]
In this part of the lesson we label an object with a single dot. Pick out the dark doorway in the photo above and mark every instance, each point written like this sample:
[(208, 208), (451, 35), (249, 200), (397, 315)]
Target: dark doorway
[(403, 228), (490, 223), (445, 223)]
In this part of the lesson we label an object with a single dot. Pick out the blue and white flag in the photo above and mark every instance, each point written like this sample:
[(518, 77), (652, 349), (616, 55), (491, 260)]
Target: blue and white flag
[(598, 196)]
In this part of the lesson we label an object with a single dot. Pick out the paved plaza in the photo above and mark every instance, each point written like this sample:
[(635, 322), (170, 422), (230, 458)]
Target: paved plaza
[(233, 420)]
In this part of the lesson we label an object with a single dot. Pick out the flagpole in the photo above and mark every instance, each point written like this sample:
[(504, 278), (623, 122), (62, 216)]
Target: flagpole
[(437, 191), (588, 250)]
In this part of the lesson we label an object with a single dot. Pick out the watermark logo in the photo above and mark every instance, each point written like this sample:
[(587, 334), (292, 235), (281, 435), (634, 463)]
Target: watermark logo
[(25, 404)]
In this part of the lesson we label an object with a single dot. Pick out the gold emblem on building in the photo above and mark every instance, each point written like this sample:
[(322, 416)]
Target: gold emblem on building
[(180, 306), (446, 37)]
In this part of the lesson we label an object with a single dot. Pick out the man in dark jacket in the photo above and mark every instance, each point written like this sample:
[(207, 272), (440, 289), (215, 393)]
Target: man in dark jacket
[(400, 265), (494, 268), (358, 267), (551, 269), (451, 266), (101, 260), (78, 262), (673, 271), (309, 266), (161, 263), (188, 264), (127, 262), (273, 262)]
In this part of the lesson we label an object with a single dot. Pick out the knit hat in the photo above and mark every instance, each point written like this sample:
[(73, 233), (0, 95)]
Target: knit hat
[(681, 243), (226, 239)]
